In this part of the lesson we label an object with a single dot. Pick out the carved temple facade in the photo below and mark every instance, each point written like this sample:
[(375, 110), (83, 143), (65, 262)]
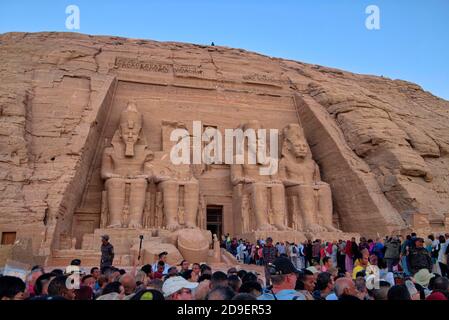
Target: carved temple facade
[(381, 170)]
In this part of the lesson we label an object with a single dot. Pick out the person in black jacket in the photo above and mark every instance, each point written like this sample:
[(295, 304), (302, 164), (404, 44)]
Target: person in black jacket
[(418, 257), (107, 252)]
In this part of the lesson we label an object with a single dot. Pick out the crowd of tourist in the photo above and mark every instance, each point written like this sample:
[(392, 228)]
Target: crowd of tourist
[(392, 268)]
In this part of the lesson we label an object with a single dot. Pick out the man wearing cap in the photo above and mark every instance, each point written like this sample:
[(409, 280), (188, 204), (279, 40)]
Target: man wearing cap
[(283, 276), (418, 257), (232, 271), (75, 262), (162, 257), (107, 252), (178, 288)]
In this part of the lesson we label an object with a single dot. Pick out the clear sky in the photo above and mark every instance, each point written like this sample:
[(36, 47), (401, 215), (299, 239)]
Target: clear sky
[(411, 44)]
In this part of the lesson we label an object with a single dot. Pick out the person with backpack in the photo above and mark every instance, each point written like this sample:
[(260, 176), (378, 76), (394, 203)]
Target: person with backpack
[(392, 252)]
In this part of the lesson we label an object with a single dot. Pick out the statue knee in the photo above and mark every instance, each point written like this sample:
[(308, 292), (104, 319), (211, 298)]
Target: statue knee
[(140, 183), (169, 186), (278, 189), (258, 187)]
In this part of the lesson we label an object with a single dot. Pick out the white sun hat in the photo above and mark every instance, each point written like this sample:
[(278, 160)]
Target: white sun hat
[(174, 284)]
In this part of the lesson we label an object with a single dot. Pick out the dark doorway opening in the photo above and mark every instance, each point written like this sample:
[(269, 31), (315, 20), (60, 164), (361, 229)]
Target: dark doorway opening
[(8, 237), (214, 220)]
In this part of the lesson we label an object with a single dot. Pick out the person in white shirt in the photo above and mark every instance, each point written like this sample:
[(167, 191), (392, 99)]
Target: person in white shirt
[(301, 256), (162, 257), (293, 253), (241, 252)]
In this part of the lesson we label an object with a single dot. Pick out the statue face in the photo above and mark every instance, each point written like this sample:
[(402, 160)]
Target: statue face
[(297, 144), (130, 132)]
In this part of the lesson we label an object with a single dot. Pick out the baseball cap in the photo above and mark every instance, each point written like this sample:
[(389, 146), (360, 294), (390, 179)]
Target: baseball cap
[(148, 294), (282, 265), (232, 270), (105, 237), (163, 253), (312, 269), (174, 284), (75, 262)]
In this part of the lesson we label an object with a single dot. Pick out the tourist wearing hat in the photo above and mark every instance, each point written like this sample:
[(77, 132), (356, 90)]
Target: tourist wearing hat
[(178, 288), (75, 262), (148, 294), (283, 275), (232, 271), (162, 260), (422, 277), (107, 252), (74, 267)]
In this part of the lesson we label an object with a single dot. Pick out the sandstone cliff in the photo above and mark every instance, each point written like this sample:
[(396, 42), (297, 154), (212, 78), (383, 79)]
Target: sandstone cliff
[(382, 144)]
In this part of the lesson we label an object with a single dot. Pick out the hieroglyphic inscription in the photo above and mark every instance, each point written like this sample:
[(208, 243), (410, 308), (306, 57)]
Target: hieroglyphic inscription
[(129, 63), (188, 69), (259, 77), (151, 66)]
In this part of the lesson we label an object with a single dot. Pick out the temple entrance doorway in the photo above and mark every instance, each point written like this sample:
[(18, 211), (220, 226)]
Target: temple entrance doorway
[(214, 220)]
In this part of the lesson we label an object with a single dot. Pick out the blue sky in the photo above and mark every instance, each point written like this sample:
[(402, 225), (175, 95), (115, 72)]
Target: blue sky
[(412, 43)]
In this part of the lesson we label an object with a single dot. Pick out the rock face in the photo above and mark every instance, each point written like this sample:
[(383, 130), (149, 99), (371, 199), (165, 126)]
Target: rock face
[(381, 145)]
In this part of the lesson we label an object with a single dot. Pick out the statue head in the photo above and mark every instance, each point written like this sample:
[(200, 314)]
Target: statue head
[(130, 128), (294, 141)]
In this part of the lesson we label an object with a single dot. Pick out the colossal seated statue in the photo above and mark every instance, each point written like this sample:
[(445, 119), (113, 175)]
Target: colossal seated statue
[(180, 193), (122, 167), (265, 192), (176, 183), (301, 177)]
